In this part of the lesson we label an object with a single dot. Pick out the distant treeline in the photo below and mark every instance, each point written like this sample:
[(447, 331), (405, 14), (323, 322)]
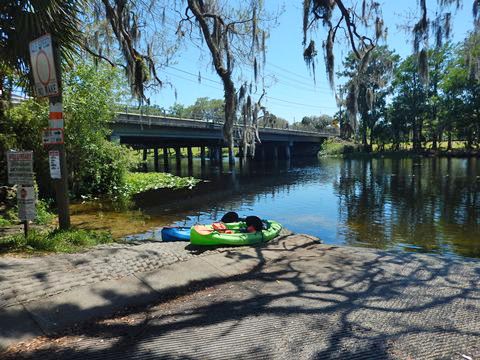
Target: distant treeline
[(397, 108)]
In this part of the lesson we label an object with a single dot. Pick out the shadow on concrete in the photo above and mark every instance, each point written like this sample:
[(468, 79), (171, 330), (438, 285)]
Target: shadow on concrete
[(318, 302)]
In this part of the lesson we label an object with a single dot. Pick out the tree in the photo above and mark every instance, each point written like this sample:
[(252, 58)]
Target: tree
[(411, 95), (207, 109), (461, 86), (96, 165), (23, 21), (232, 36), (372, 86), (314, 123)]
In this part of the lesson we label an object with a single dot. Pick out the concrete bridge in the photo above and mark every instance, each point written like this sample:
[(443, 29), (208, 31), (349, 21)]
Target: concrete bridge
[(153, 132)]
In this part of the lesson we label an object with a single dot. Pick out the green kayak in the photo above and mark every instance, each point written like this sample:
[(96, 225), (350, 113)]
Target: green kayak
[(234, 234)]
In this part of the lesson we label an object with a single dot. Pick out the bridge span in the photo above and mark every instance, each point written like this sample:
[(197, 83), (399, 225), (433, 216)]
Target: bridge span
[(151, 132)]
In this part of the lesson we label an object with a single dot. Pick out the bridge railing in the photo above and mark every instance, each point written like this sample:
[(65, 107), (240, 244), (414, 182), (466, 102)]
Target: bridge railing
[(147, 118)]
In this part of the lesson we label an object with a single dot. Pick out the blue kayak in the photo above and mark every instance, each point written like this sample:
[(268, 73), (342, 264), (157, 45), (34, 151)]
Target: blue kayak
[(176, 233)]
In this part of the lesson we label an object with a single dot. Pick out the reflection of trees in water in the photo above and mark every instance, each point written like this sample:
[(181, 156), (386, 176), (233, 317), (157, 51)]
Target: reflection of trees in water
[(430, 203)]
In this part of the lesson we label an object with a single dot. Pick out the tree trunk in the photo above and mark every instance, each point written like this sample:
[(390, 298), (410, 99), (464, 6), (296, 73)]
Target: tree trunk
[(417, 141), (449, 144), (469, 138), (434, 141), (371, 139), (230, 112)]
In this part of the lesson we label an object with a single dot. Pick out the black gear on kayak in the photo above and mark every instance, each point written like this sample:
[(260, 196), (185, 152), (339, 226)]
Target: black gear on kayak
[(254, 221), (230, 217)]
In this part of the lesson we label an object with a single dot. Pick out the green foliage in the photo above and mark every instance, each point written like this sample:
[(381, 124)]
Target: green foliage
[(337, 147), (427, 115), (44, 215), (23, 21), (54, 241), (96, 165), (203, 108), (22, 126), (272, 121), (314, 123), (141, 182), (4, 222)]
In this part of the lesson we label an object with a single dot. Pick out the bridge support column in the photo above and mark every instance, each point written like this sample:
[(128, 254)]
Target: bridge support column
[(202, 155), (218, 154), (275, 152), (155, 158), (144, 158), (165, 158), (211, 156), (190, 156), (240, 153), (287, 152), (178, 156), (231, 156)]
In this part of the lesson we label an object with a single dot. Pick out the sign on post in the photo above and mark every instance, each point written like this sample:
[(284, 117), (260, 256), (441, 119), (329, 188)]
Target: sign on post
[(20, 167), (45, 60), (54, 161), (26, 203), (55, 118), (43, 66), (52, 136)]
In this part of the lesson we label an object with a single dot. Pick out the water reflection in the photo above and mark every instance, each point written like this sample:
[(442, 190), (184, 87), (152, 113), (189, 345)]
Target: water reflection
[(417, 204), (426, 204)]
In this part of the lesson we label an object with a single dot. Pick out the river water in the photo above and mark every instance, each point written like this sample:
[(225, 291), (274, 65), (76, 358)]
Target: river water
[(414, 204)]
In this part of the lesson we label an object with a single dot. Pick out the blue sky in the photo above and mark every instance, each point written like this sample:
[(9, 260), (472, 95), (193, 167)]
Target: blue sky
[(292, 93)]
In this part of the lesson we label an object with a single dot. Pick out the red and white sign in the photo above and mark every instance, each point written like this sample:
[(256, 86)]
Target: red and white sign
[(56, 116), (43, 66), (52, 136), (54, 162)]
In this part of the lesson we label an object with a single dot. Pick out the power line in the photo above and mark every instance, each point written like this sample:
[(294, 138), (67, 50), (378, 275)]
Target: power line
[(300, 104), (288, 71), (217, 82)]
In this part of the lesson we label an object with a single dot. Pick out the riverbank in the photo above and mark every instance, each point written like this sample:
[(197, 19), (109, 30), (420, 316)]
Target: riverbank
[(351, 150), (44, 237), (290, 298)]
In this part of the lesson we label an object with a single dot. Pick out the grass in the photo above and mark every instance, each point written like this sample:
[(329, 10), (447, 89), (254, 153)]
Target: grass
[(65, 241), (140, 182)]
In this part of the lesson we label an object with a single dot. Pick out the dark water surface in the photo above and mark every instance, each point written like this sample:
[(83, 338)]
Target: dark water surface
[(424, 204)]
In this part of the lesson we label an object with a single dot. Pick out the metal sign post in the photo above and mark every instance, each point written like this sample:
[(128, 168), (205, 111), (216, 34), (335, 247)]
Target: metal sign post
[(46, 68)]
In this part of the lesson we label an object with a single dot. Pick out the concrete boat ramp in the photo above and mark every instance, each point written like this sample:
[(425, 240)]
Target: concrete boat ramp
[(290, 298)]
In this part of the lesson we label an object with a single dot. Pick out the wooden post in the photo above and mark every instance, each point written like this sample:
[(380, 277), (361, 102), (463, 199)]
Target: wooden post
[(202, 155), (155, 158), (25, 228), (60, 185), (165, 158)]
